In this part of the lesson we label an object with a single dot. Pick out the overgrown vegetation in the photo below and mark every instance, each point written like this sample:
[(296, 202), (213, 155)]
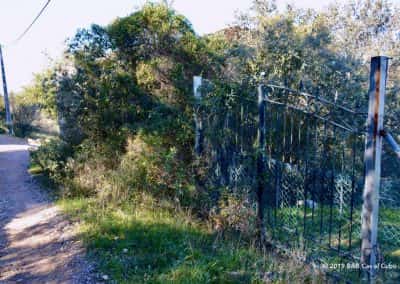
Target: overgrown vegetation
[(3, 127), (152, 241), (33, 109), (124, 162)]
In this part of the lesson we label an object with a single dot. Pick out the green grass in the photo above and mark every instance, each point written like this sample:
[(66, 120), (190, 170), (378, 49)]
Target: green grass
[(290, 224), (40, 134), (35, 170), (149, 242), (289, 231), (47, 184)]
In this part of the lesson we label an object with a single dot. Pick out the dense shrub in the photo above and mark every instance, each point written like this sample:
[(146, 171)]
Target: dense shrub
[(123, 98), (23, 116), (144, 166), (52, 157), (235, 213)]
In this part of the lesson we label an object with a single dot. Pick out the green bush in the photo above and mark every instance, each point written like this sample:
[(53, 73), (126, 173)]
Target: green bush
[(52, 158), (146, 165), (23, 116), (22, 129)]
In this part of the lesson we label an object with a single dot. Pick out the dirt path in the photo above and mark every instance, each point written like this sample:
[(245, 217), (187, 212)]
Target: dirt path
[(37, 244)]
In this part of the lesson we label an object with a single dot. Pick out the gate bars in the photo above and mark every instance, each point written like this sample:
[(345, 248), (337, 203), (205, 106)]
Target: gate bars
[(317, 189), (313, 191)]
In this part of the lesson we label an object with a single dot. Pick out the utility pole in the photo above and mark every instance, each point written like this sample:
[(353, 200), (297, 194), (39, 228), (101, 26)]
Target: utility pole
[(9, 122)]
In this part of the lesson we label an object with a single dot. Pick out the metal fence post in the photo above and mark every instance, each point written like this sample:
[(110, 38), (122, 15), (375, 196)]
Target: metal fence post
[(198, 146), (372, 160)]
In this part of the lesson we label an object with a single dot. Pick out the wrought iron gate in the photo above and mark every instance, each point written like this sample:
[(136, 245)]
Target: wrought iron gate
[(308, 159)]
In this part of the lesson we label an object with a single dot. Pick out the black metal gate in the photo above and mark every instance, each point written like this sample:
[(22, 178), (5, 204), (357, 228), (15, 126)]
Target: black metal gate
[(314, 162), (304, 159)]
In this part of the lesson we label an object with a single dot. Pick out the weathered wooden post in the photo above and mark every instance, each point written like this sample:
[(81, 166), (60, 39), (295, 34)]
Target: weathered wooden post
[(198, 146), (261, 159), (372, 160)]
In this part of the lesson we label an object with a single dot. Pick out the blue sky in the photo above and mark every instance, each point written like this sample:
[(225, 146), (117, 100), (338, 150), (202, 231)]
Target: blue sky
[(64, 17)]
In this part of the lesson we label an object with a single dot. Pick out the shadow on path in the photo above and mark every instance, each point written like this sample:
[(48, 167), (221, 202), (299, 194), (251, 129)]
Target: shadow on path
[(37, 244)]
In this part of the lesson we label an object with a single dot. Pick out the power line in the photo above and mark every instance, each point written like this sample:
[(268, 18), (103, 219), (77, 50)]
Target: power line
[(6, 99), (33, 22)]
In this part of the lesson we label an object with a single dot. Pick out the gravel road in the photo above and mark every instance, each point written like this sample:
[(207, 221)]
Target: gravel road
[(37, 243)]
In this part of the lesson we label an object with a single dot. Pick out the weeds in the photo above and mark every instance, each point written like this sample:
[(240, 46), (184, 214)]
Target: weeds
[(148, 241)]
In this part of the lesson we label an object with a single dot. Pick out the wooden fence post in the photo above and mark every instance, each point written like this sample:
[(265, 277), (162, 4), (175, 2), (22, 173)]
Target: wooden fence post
[(198, 146), (372, 160), (261, 159)]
